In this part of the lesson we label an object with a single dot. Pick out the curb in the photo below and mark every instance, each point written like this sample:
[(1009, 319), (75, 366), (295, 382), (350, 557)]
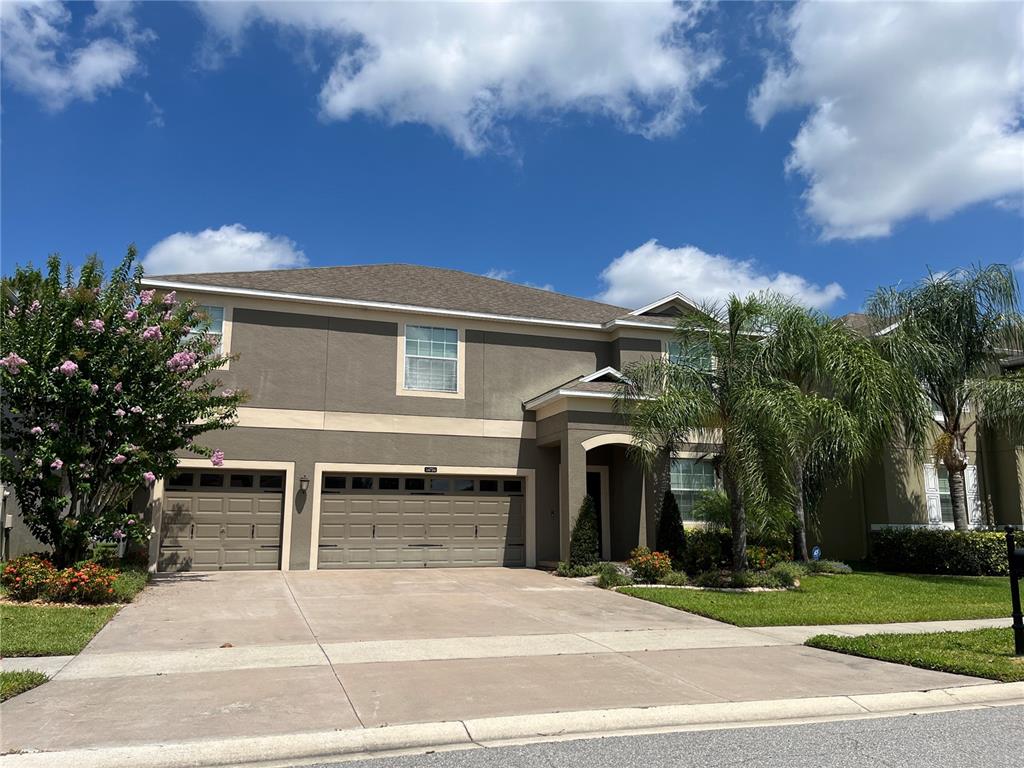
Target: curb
[(494, 731)]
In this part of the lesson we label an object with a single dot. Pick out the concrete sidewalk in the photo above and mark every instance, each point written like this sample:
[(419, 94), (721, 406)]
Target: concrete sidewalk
[(256, 655)]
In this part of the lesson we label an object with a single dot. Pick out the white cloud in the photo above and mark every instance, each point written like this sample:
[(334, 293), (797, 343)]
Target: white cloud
[(156, 113), (915, 109), (651, 271), (232, 248), (466, 69), (41, 57), (506, 275)]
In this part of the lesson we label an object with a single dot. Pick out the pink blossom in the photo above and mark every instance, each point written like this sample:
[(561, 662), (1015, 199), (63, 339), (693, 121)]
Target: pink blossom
[(69, 368), (146, 297), (131, 315), (152, 333), (118, 387), (56, 464), (119, 459), (171, 298), (97, 325), (36, 431), (54, 426), (35, 306), (167, 315), (131, 520), (182, 361), (119, 534), (13, 363), (119, 413), (217, 458), (149, 477), (77, 322), (94, 388), (136, 409)]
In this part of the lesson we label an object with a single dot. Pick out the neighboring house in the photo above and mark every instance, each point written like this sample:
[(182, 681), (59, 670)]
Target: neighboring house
[(410, 416)]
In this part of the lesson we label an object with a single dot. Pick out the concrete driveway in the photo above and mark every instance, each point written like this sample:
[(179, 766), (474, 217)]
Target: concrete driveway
[(253, 654)]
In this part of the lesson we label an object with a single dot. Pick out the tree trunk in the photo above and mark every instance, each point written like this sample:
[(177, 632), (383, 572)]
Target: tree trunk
[(956, 461), (800, 534), (958, 496), (738, 524)]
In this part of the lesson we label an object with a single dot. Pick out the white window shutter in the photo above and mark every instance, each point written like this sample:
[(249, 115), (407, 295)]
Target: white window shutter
[(973, 497), (933, 501)]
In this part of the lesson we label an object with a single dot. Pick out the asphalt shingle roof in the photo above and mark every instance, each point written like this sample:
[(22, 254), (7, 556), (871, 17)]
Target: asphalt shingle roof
[(415, 285)]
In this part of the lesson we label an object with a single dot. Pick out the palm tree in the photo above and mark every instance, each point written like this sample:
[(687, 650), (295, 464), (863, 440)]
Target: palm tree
[(950, 331), (834, 398), (710, 389)]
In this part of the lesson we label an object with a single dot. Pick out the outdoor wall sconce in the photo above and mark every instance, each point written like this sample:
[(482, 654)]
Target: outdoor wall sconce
[(303, 483)]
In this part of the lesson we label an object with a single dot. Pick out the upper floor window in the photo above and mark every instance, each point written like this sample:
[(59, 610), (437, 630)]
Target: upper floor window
[(431, 358), (212, 325), (696, 354), (689, 479)]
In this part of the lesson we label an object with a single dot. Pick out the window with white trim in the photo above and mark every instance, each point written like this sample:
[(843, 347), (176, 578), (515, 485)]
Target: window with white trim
[(431, 358), (689, 479), (696, 354), (211, 326), (945, 498)]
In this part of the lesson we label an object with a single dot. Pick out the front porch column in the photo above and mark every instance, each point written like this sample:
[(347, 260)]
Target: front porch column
[(572, 489)]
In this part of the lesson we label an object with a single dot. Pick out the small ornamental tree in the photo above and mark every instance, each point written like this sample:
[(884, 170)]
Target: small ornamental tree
[(103, 384), (584, 544), (671, 539)]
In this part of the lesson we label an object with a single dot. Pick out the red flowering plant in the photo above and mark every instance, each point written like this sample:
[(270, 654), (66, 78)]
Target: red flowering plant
[(104, 385), (84, 583), (648, 566), (27, 577)]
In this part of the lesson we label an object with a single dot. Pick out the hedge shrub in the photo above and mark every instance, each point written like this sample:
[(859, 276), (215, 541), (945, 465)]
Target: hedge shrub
[(927, 550)]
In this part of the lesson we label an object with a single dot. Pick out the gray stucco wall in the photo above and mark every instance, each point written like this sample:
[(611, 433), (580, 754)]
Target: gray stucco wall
[(294, 361)]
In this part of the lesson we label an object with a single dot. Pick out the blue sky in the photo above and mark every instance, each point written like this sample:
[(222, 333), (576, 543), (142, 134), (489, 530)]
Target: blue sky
[(553, 156)]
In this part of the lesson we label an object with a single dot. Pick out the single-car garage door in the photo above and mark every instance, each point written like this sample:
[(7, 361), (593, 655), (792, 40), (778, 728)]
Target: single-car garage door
[(221, 521), (414, 522)]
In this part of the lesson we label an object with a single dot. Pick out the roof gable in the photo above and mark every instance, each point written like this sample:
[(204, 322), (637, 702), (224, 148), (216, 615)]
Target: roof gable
[(673, 305)]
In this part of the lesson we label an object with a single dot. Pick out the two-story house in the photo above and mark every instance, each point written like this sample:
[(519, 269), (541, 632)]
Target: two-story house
[(408, 416)]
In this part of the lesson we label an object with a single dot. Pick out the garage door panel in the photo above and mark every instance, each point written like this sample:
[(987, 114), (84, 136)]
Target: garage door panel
[(382, 531)]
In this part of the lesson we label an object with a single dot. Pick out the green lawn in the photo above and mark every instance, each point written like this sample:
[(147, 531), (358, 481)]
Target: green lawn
[(13, 683), (50, 630), (979, 652), (859, 598)]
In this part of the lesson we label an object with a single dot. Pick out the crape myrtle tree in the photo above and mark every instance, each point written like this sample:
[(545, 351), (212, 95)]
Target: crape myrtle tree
[(951, 331), (711, 393), (103, 384)]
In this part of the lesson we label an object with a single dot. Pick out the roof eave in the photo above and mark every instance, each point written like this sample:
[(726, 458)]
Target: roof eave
[(374, 305)]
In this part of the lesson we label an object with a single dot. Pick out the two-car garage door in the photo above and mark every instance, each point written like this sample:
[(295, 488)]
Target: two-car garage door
[(415, 522)]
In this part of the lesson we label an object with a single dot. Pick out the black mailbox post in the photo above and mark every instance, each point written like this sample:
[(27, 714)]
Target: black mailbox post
[(1016, 557)]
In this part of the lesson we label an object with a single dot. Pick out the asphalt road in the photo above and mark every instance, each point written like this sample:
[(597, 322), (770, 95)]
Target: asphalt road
[(980, 738)]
